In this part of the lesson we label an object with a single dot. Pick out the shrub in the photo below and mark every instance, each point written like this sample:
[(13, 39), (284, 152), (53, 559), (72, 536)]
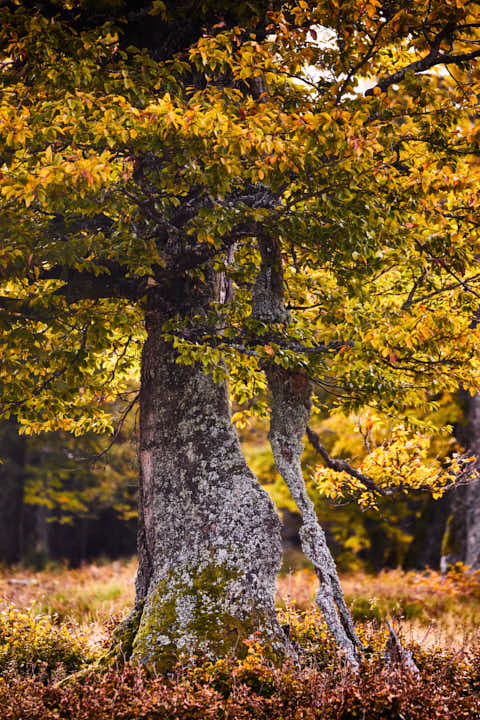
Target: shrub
[(446, 689), (34, 651), (30, 643)]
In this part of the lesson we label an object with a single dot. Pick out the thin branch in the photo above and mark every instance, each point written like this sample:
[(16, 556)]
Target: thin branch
[(202, 335), (434, 57), (342, 465), (358, 66), (441, 262), (411, 300), (97, 456)]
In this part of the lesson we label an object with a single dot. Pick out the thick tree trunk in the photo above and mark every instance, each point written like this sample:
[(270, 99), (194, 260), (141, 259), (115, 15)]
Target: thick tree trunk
[(12, 481), (461, 542), (209, 537)]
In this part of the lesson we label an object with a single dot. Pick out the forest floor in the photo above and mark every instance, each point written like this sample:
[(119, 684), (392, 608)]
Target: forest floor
[(56, 620)]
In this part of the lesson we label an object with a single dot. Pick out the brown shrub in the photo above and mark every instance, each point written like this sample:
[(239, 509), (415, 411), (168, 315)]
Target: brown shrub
[(447, 688)]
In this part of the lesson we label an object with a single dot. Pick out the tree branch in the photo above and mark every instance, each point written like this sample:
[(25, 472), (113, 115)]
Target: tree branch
[(434, 57), (342, 465), (81, 285), (21, 307), (125, 413)]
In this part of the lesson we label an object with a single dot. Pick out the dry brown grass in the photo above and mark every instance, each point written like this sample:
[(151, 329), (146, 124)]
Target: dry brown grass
[(428, 609), (82, 606), (434, 611), (92, 598)]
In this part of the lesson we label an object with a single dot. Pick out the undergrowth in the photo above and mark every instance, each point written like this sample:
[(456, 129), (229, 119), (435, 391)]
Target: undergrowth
[(320, 686), (32, 644), (37, 651)]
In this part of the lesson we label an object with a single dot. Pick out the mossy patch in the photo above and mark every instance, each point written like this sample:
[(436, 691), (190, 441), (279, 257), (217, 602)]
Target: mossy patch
[(194, 613), (124, 635)]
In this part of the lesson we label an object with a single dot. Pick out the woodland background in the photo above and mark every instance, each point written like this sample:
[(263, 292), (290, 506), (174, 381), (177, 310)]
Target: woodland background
[(73, 499)]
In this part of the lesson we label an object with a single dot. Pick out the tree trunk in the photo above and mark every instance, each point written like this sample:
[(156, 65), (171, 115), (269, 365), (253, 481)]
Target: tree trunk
[(209, 537), (461, 542), (42, 540), (12, 480), (472, 554), (290, 413), (425, 549)]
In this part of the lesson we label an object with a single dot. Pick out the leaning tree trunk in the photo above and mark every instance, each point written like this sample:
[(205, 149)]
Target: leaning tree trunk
[(209, 537), (291, 406), (290, 413), (461, 542)]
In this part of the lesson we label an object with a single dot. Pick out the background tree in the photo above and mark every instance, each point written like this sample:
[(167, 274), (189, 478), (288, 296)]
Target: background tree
[(288, 203), (84, 489), (12, 483), (461, 539), (66, 497)]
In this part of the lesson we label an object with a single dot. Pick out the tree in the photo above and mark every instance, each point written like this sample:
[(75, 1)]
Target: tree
[(461, 539), (83, 492), (68, 497), (280, 198), (12, 483)]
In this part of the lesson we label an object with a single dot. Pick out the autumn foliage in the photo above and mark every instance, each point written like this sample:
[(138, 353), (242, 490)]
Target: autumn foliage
[(344, 132), (364, 167)]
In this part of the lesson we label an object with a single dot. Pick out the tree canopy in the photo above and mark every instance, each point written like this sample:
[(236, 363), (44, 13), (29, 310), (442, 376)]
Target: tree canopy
[(344, 131)]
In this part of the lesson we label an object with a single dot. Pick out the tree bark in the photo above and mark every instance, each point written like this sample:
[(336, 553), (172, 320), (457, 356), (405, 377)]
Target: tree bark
[(290, 413), (209, 537), (461, 541), (472, 554)]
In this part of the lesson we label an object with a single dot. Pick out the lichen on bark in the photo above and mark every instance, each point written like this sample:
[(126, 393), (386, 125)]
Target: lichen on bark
[(290, 413), (209, 536), (191, 615)]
